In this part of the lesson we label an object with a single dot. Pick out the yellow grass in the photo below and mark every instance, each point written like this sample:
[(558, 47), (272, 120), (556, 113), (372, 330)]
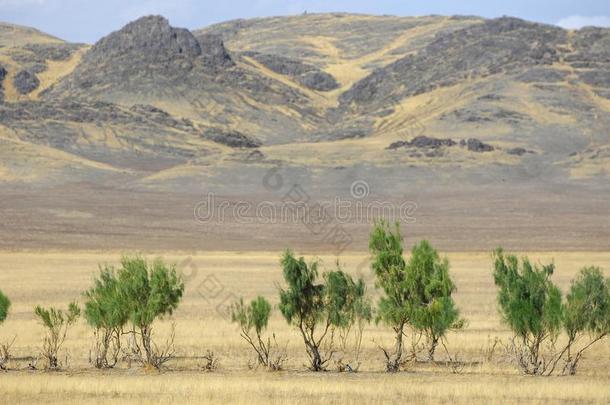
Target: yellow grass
[(214, 279), (57, 70)]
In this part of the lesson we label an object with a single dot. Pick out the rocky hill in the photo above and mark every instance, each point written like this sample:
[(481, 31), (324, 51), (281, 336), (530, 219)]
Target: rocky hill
[(402, 103)]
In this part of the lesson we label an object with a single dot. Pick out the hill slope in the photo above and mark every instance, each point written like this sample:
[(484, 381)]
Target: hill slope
[(413, 106)]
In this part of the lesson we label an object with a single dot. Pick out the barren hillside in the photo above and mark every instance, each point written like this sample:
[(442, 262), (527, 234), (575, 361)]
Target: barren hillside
[(497, 130)]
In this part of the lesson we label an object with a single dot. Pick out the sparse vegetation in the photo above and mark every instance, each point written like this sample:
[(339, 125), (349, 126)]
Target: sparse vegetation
[(5, 347), (254, 318), (148, 291), (389, 267), (416, 294), (5, 304), (212, 362), (106, 312), (531, 304), (586, 315), (432, 309), (351, 310), (315, 308), (57, 322), (486, 369)]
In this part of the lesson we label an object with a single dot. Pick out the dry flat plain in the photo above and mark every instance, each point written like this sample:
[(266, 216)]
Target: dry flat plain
[(216, 278)]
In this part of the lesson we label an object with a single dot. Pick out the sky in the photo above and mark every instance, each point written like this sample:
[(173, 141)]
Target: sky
[(89, 20)]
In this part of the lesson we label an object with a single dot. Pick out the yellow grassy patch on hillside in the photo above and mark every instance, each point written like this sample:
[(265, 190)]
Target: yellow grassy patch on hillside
[(56, 70)]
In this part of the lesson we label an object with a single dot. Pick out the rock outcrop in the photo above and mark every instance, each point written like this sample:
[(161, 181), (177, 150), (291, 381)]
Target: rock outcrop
[(213, 51), (500, 45), (475, 145), (26, 82), (148, 38), (2, 76), (423, 142), (308, 75), (147, 56), (233, 139)]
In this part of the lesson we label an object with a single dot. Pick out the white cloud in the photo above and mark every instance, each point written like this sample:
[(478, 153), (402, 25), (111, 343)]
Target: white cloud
[(578, 21)]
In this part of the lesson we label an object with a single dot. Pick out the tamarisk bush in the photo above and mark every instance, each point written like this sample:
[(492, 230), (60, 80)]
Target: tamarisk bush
[(350, 311), (586, 314), (415, 294), (530, 303), (532, 306), (106, 311), (389, 266), (432, 309), (57, 322), (148, 291), (315, 308), (5, 304), (254, 318)]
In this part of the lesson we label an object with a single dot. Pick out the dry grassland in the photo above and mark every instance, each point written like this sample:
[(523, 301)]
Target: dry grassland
[(214, 279)]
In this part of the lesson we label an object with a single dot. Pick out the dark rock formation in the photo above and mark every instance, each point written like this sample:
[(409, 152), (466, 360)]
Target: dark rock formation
[(95, 112), (542, 75), (143, 134), (214, 52), (151, 59), (475, 145), (54, 52), (146, 55), (485, 114), (281, 65), (162, 118), (308, 75), (34, 57), (25, 82), (500, 45), (423, 142), (148, 38), (591, 58), (596, 78), (518, 151), (145, 47), (2, 76), (320, 81), (591, 47), (233, 139)]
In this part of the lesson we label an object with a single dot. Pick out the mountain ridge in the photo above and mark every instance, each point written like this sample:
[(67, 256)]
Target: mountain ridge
[(378, 77), (496, 130)]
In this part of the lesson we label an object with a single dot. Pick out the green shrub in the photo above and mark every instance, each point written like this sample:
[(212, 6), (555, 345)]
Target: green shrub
[(5, 348), (57, 322), (106, 311), (415, 294), (350, 310), (530, 305), (586, 315), (254, 318), (5, 304), (390, 269), (315, 308), (148, 291), (432, 309)]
